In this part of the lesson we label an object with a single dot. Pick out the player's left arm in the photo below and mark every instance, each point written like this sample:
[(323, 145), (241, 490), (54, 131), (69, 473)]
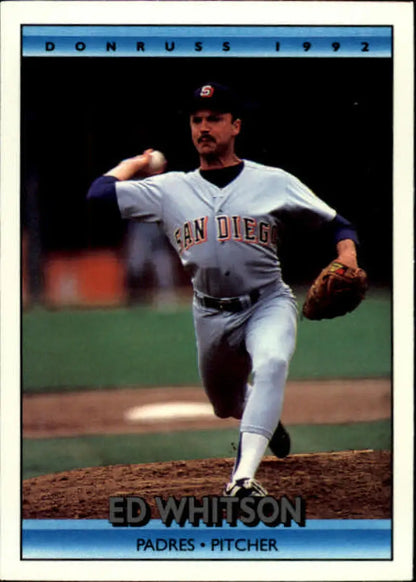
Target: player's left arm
[(346, 240), (315, 213)]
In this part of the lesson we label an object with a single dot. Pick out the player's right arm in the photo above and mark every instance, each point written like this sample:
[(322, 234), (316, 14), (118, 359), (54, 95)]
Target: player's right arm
[(118, 193), (102, 201)]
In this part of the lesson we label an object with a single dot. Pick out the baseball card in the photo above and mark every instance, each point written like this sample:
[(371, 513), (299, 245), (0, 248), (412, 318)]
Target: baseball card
[(206, 297)]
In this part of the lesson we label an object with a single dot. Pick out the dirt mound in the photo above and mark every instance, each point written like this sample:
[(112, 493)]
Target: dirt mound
[(341, 485)]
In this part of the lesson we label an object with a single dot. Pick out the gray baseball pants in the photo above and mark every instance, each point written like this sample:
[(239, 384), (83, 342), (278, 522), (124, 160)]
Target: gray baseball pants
[(254, 345)]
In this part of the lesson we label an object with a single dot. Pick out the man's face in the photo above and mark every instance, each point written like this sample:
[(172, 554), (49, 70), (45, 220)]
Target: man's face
[(213, 133)]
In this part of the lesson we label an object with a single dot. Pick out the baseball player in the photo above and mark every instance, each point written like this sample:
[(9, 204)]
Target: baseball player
[(147, 244), (224, 220)]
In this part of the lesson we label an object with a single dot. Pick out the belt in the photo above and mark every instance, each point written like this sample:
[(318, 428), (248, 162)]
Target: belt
[(232, 304)]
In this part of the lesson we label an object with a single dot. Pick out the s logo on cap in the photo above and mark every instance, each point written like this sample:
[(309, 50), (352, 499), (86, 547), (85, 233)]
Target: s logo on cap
[(207, 91)]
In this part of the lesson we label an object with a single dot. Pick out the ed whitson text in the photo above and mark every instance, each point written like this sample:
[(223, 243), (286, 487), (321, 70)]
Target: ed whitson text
[(211, 511)]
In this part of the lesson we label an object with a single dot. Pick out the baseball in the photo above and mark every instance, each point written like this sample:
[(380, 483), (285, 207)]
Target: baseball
[(157, 161)]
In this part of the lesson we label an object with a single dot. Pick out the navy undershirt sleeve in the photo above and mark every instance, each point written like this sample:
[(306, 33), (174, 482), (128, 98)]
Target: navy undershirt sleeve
[(105, 225), (102, 198), (341, 229)]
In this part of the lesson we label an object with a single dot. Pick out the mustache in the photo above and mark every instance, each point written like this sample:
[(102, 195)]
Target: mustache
[(206, 138)]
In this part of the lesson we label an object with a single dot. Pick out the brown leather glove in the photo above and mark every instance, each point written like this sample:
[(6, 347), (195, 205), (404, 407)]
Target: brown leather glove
[(337, 290)]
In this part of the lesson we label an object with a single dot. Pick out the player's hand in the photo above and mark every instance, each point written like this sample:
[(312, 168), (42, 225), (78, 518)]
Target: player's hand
[(348, 260), (143, 165), (140, 166)]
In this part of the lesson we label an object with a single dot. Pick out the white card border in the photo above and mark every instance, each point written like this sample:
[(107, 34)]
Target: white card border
[(398, 14)]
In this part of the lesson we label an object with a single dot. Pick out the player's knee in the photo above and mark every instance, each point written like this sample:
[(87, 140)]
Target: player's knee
[(272, 363), (228, 411), (221, 413)]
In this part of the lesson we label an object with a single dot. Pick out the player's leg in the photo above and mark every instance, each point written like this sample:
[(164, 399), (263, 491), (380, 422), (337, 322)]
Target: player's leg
[(165, 297), (138, 253), (224, 364), (267, 340), (270, 341), (137, 248)]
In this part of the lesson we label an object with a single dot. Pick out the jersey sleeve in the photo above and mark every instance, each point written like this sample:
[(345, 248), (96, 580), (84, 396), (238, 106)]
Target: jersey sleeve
[(302, 203), (140, 199), (341, 229)]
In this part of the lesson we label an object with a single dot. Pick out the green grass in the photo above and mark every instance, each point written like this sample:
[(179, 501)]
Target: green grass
[(104, 348), (101, 348), (44, 456), (330, 437), (357, 345)]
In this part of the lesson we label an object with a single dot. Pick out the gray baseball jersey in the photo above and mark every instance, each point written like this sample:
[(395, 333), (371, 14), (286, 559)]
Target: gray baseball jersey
[(225, 237)]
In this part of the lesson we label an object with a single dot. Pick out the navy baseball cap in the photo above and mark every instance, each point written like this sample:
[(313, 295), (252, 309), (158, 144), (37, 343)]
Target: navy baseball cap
[(216, 97)]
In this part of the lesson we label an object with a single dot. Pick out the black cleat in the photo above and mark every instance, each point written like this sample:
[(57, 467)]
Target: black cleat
[(279, 444), (244, 488)]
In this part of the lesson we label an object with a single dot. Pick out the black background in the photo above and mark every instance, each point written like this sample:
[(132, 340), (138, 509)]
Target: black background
[(326, 120)]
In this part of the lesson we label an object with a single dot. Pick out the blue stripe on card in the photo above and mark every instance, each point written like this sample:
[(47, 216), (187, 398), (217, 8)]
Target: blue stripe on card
[(207, 41), (98, 539)]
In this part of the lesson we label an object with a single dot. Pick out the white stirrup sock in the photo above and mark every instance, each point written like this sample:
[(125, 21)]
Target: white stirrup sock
[(251, 449)]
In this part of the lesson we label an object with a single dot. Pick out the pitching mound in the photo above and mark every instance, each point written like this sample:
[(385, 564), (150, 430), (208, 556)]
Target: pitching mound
[(342, 485)]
